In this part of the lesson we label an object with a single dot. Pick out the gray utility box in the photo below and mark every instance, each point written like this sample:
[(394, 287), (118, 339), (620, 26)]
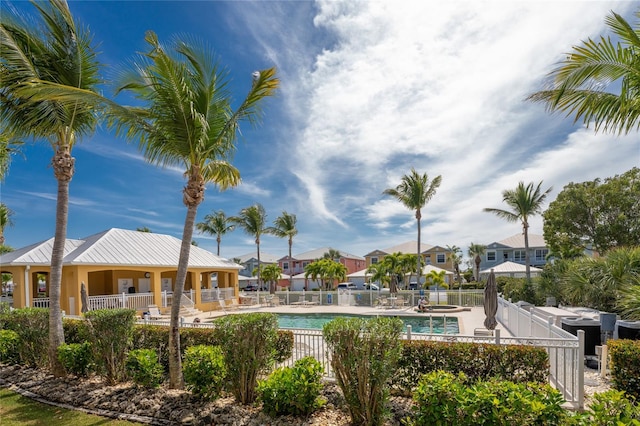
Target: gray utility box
[(591, 328)]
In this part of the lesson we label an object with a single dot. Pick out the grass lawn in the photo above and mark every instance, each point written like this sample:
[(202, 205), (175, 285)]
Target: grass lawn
[(17, 410)]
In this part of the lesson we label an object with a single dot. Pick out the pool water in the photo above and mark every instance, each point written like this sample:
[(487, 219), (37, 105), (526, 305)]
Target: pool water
[(419, 324)]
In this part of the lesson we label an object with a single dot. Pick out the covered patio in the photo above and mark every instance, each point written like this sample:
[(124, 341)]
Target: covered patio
[(120, 268)]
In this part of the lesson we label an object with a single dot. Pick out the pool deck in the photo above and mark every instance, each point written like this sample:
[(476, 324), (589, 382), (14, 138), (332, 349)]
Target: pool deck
[(468, 320)]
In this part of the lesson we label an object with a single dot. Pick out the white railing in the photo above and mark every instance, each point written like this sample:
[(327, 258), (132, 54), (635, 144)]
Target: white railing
[(566, 351), (124, 300), (41, 302)]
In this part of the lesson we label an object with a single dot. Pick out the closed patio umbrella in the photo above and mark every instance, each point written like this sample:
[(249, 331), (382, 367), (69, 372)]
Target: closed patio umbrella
[(84, 298), (491, 302)]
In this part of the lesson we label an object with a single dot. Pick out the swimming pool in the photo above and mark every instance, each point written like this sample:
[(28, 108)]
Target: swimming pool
[(419, 324)]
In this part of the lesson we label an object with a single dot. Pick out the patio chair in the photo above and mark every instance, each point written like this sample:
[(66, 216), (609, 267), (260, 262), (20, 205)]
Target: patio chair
[(275, 301), (315, 300), (381, 302), (154, 313), (231, 307)]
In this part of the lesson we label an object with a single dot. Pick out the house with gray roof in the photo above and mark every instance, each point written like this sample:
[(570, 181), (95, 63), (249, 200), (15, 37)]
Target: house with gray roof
[(512, 249)]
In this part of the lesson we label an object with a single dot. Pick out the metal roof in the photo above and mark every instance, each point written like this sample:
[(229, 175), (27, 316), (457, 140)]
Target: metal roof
[(121, 247), (517, 241), (510, 267), (318, 253)]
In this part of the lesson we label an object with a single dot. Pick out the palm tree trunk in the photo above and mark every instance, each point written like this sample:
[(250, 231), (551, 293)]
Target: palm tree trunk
[(419, 263), (290, 266), (56, 332), (527, 259), (175, 364), (218, 240), (258, 249)]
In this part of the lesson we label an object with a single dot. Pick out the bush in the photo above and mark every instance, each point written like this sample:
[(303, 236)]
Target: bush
[(364, 354), (625, 365), (608, 408), (76, 358), (443, 398), (517, 363), (249, 342), (111, 333), (204, 371), (284, 345), (75, 330), (143, 367), (32, 325), (293, 390), (9, 346)]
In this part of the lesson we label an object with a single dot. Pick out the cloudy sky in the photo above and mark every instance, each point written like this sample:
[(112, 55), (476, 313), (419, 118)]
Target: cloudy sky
[(368, 91)]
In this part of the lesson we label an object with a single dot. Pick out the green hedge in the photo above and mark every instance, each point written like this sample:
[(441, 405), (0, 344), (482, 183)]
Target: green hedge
[(625, 366), (478, 361), (32, 325)]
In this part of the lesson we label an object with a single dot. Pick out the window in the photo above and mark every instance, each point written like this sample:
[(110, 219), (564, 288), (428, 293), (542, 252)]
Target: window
[(427, 260), (491, 256), (304, 264), (285, 265), (441, 258), (374, 260), (541, 254), (519, 255)]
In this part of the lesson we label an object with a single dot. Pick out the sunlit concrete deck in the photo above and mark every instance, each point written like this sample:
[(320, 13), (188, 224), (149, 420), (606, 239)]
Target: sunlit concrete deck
[(468, 320)]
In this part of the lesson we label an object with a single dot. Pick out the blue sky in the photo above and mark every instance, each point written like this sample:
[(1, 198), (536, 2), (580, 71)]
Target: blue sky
[(368, 90)]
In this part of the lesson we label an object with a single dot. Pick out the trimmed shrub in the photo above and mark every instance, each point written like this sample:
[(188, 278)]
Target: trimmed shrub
[(478, 361), (9, 346), (204, 371), (110, 332), (293, 390), (608, 408), (32, 325), (443, 398), (76, 358), (284, 345), (249, 342), (364, 354), (75, 330), (625, 365), (143, 367)]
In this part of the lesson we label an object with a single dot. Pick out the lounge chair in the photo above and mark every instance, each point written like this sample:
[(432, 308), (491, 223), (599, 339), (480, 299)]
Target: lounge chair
[(482, 332), (230, 307), (315, 300), (154, 313), (275, 301)]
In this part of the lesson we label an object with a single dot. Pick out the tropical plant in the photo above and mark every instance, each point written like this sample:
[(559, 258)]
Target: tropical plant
[(455, 257), (475, 252), (253, 221), (187, 121), (9, 146), (5, 220), (408, 265), (327, 271), (216, 224), (414, 192), (57, 51), (332, 254), (285, 227), (379, 273), (525, 201), (271, 273), (584, 84), (394, 267), (143, 229)]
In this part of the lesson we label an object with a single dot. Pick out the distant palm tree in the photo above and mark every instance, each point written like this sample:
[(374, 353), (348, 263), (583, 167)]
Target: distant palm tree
[(253, 221), (408, 265), (54, 51), (285, 227), (5, 220), (379, 273), (187, 121), (455, 257), (393, 266), (525, 201), (143, 229), (580, 81), (476, 251), (271, 273), (415, 192), (332, 254), (216, 224)]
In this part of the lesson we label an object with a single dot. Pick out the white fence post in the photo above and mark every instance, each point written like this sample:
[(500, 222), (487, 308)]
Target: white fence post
[(124, 300)]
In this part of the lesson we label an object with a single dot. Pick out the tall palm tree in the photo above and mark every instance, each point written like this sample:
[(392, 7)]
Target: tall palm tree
[(584, 84), (5, 220), (187, 121), (525, 201), (56, 51), (476, 251), (253, 221), (285, 227), (216, 224), (415, 191)]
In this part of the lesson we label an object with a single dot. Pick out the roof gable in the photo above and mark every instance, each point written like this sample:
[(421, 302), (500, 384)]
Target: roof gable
[(517, 241)]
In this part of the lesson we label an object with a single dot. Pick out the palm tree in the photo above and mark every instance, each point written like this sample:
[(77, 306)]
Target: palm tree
[(216, 224), (187, 121), (415, 191), (55, 51), (525, 201), (455, 257), (579, 82), (393, 266), (332, 254), (252, 220), (271, 273), (5, 220), (285, 227), (9, 146), (378, 273), (476, 251), (143, 229), (408, 266)]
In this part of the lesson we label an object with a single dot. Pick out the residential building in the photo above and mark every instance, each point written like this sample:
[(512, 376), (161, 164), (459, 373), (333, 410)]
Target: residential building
[(512, 249), (438, 256), (249, 262), (407, 247), (296, 265)]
